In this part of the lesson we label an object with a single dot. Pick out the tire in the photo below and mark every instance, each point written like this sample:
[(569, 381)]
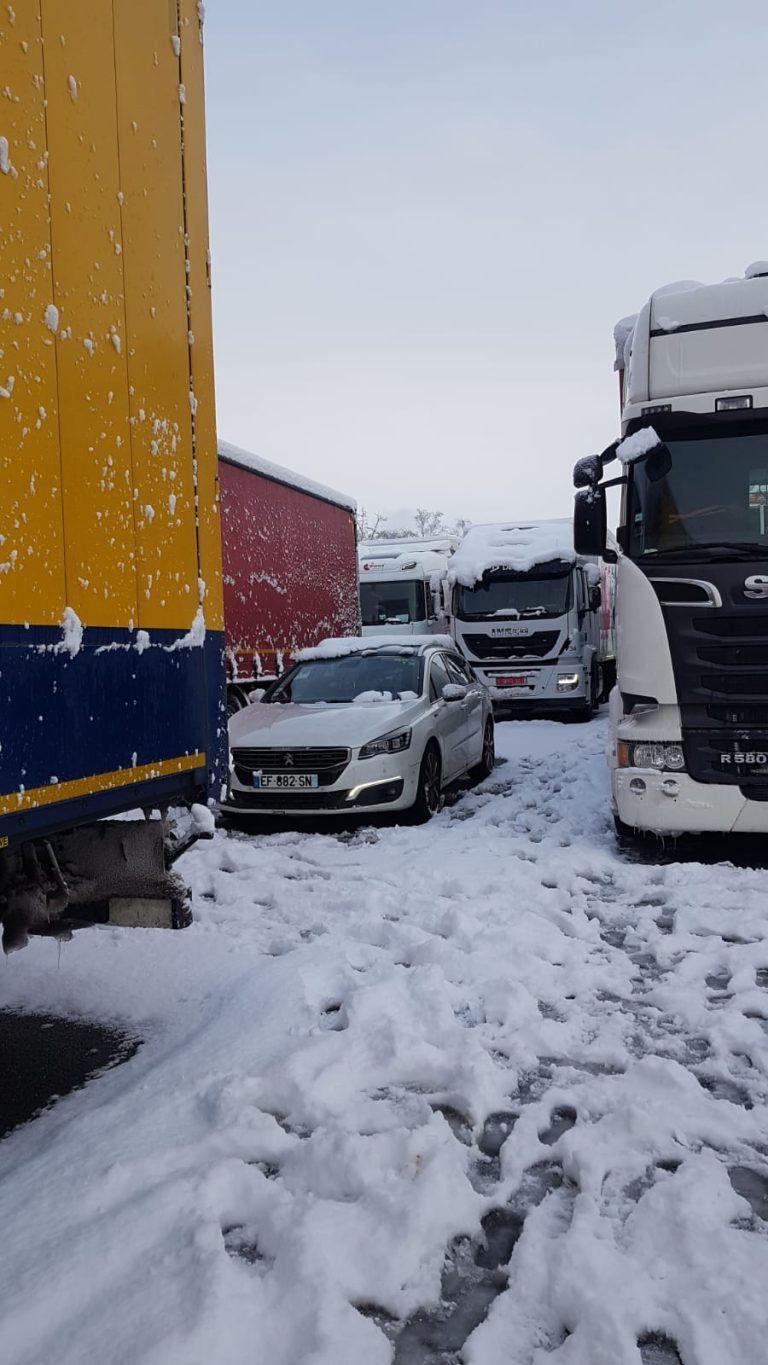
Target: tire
[(484, 768), (430, 794), (236, 700), (588, 708)]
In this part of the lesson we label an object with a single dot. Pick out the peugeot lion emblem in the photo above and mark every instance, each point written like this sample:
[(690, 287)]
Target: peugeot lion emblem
[(756, 586), (288, 760)]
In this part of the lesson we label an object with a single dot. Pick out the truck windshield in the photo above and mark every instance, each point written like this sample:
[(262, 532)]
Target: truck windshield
[(712, 499), (516, 596), (393, 604), (374, 677)]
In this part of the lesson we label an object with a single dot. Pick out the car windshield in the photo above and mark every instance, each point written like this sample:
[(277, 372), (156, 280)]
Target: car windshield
[(516, 595), (393, 604), (356, 677), (708, 494)]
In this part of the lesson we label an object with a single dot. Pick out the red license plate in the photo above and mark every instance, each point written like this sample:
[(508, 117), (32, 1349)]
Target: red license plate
[(511, 682)]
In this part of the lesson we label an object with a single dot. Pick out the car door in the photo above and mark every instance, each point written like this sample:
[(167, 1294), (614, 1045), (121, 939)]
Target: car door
[(450, 719), (460, 672)]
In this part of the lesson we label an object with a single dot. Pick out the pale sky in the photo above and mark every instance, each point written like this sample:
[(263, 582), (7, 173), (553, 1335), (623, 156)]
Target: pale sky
[(428, 214)]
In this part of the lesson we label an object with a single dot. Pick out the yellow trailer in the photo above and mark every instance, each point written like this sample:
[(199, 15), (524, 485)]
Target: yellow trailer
[(111, 629)]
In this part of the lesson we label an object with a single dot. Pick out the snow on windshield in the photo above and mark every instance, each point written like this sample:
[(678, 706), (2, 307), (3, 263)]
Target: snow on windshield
[(352, 678), (518, 546)]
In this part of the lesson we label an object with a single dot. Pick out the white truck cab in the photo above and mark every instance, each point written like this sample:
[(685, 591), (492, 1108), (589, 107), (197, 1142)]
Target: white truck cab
[(689, 715), (402, 585), (527, 612)]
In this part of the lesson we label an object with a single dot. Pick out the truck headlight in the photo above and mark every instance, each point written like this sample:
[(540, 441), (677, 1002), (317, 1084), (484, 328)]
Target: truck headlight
[(388, 744), (567, 681), (662, 756)]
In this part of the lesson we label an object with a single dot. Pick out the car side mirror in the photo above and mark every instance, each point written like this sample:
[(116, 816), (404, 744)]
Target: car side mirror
[(588, 472), (454, 692)]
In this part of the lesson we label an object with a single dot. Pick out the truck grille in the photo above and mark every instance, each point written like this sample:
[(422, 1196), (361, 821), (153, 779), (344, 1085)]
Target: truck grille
[(535, 646), (329, 764), (729, 756)]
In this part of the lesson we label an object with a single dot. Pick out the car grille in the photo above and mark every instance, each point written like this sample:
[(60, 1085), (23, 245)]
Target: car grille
[(288, 801), (329, 764), (535, 646)]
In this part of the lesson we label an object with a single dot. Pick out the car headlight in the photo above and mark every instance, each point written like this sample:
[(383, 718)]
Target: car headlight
[(567, 681), (388, 744), (664, 757)]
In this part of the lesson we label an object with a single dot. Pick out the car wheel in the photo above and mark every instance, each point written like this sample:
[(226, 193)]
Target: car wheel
[(484, 768), (430, 794)]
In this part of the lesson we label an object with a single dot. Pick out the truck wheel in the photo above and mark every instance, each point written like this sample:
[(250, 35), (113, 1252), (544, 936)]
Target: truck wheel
[(430, 794), (484, 768), (609, 678)]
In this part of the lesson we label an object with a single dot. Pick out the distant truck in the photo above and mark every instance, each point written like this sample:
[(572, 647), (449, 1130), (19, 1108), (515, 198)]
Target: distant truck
[(403, 583), (534, 618), (690, 712), (290, 568)]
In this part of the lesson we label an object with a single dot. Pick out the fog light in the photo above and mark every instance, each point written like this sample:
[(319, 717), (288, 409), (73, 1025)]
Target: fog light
[(637, 785), (670, 786), (567, 681)]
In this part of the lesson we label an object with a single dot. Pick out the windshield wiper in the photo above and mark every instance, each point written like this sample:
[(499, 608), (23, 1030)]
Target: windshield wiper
[(716, 549)]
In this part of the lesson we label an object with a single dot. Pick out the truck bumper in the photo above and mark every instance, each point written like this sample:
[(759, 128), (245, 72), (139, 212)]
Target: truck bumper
[(539, 691), (673, 803)]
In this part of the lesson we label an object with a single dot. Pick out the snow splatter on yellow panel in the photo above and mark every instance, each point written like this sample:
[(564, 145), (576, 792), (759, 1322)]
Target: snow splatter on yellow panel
[(32, 585), (88, 276), (149, 114)]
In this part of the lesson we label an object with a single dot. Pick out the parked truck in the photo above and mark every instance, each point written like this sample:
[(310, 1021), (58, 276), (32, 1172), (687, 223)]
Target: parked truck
[(533, 617), (403, 584), (689, 715), (290, 568), (111, 629)]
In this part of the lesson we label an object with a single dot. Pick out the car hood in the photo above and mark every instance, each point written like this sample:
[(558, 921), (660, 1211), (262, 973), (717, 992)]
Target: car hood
[(264, 725)]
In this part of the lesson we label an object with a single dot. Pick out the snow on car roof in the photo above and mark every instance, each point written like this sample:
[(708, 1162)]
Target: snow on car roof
[(372, 644), (515, 545), (279, 474)]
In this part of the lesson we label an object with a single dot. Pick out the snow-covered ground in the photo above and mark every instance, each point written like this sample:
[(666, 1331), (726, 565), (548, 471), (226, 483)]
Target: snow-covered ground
[(378, 1063)]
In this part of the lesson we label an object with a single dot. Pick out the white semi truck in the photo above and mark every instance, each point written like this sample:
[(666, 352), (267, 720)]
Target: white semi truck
[(689, 715), (402, 585), (532, 617)]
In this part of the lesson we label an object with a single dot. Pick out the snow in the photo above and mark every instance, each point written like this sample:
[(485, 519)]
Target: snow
[(365, 698), (72, 86), (51, 317), (622, 336), (5, 157), (195, 636), (247, 459), (176, 44), (353, 644), (71, 633), (638, 444), (516, 545), (202, 819), (295, 1147), (755, 270)]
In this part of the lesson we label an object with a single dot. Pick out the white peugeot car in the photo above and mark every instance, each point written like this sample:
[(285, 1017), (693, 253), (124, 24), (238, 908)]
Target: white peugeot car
[(362, 725)]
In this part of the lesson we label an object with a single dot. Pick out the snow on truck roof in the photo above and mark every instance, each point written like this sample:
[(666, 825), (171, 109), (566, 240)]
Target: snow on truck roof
[(388, 558), (370, 644), (515, 545), (279, 474)]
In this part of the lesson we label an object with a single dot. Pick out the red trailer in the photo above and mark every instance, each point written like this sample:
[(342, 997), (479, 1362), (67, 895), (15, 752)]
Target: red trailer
[(290, 567)]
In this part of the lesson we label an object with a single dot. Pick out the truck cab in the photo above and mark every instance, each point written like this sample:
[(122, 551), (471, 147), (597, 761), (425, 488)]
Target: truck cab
[(689, 717), (531, 631), (402, 586)]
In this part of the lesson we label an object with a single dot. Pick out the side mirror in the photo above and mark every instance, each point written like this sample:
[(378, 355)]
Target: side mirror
[(454, 692), (595, 598), (588, 472), (590, 525)]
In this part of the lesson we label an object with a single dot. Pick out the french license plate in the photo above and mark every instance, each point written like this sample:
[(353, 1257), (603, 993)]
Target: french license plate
[(517, 681), (284, 782)]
